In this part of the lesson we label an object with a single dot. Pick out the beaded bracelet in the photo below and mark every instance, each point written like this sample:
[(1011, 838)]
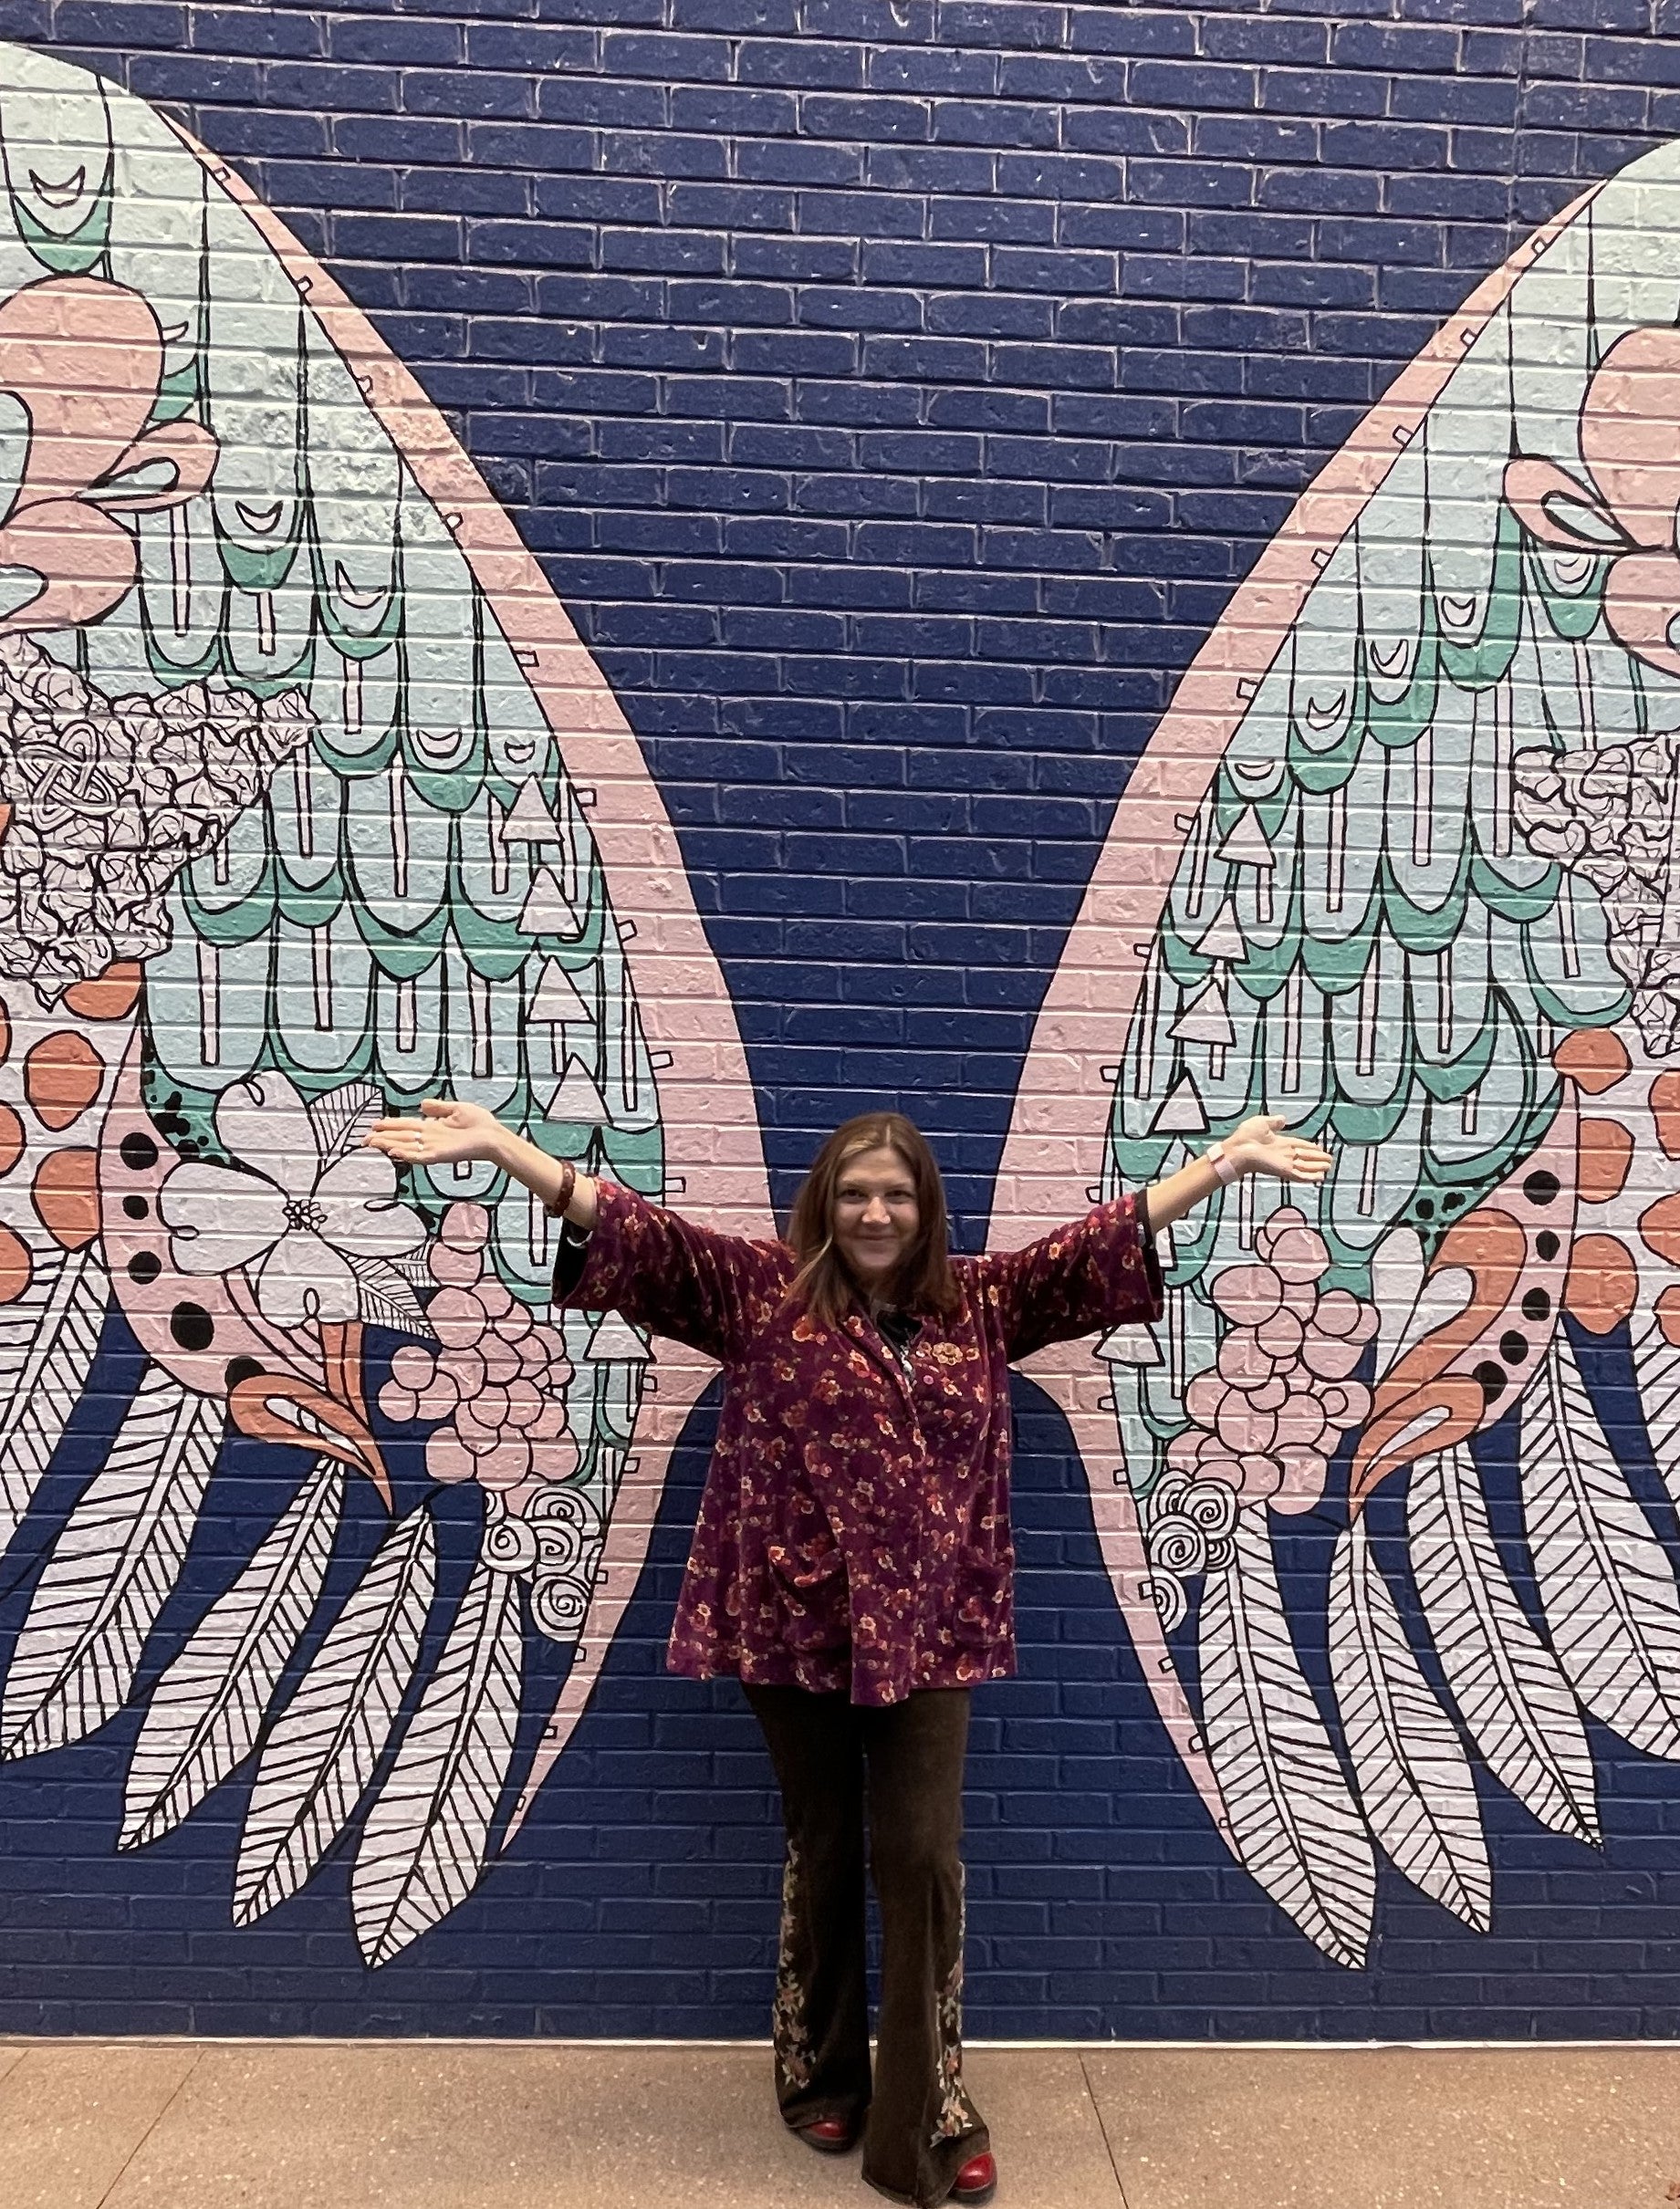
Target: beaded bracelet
[(569, 1182)]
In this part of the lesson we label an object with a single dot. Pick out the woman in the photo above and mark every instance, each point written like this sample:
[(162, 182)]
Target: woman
[(853, 1562)]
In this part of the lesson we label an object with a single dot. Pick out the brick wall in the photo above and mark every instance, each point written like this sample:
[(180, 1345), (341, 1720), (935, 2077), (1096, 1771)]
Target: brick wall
[(893, 392)]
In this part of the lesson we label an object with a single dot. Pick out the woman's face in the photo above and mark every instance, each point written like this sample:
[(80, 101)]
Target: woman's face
[(875, 1215)]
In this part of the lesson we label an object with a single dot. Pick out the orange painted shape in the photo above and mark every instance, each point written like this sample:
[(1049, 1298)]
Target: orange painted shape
[(108, 997), (1659, 1227), (1604, 1285), (1668, 1316), (11, 1138), (66, 1196), (16, 1266), (1593, 1057), (1606, 1153), (61, 1077), (1666, 1112)]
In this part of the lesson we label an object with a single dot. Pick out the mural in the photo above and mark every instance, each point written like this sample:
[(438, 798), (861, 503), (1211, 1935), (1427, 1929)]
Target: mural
[(314, 807), (1417, 823)]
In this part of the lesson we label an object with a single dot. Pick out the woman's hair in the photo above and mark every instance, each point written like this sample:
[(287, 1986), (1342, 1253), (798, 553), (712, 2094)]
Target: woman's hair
[(923, 1281)]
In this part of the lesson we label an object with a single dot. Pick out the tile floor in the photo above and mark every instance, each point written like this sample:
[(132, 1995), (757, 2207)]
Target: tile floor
[(448, 2125)]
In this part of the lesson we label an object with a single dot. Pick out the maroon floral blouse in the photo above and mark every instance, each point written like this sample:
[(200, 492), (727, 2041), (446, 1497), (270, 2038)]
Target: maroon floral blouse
[(854, 1532)]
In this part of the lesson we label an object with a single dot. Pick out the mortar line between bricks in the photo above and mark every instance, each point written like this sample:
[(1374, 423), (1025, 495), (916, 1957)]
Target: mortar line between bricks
[(152, 2128), (1120, 2184)]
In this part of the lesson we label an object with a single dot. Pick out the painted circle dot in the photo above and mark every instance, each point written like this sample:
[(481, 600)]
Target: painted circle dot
[(240, 1369), (1452, 1202), (1541, 1186), (62, 1075), (191, 1327), (138, 1152), (144, 1267), (135, 1208), (1513, 1347), (1537, 1305), (1425, 1207), (1546, 1245), (1489, 1379)]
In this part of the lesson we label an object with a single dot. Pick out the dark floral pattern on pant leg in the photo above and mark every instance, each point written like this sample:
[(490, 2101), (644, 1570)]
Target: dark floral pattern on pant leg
[(957, 2114), (789, 2035)]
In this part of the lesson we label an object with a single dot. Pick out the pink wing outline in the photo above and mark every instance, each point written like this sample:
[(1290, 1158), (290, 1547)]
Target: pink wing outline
[(1053, 1154), (714, 1153)]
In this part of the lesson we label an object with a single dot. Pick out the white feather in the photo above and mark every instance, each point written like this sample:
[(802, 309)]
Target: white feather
[(322, 1749), (1606, 1586), (1656, 1368), (1512, 1694), (423, 1845), (110, 1570), (47, 1339), (1415, 1782), (1296, 1825), (207, 1710)]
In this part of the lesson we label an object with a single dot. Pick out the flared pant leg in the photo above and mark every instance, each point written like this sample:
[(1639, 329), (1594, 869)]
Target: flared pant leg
[(902, 1768), (820, 2025)]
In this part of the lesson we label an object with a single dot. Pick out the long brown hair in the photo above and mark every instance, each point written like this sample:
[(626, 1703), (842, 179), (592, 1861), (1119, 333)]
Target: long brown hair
[(923, 1280)]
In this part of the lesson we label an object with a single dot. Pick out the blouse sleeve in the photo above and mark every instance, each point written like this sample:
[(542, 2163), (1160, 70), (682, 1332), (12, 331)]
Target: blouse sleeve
[(666, 1274), (1097, 1272)]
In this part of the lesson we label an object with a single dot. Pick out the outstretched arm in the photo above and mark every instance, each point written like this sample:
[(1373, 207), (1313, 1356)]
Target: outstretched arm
[(671, 1275), (449, 1133), (1258, 1146)]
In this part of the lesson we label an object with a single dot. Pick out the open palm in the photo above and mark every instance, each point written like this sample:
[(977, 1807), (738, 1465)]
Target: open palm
[(448, 1133)]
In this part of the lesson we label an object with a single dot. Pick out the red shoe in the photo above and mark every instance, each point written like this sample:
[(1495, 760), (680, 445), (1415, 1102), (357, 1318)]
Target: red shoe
[(829, 2136), (977, 2180)]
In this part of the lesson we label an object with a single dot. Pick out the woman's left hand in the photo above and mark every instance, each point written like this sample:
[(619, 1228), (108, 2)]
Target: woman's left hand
[(1261, 1145)]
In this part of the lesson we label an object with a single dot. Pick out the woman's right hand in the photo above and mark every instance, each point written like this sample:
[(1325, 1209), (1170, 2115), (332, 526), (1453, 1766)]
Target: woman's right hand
[(448, 1133)]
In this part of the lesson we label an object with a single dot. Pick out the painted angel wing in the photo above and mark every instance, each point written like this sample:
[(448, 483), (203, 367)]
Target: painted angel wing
[(1397, 866), (318, 807)]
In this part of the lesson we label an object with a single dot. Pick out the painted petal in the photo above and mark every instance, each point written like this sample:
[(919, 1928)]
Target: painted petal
[(264, 1122), (219, 1220), (357, 1196), (303, 1279)]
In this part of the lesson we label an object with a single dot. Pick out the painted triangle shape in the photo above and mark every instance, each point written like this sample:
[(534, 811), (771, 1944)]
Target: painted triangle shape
[(548, 909), (1181, 1111), (557, 1001), (577, 1101), (1130, 1346), (1246, 845), (1223, 939), (616, 1339), (528, 819)]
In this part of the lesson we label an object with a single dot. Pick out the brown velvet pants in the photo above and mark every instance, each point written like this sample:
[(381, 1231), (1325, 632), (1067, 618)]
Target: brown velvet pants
[(902, 1768)]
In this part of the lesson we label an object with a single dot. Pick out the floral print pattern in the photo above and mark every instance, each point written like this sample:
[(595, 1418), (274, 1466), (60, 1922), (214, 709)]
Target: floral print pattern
[(790, 2037), (957, 2113), (854, 1531)]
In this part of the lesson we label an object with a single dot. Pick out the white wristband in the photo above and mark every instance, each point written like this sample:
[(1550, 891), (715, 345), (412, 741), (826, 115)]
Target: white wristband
[(1226, 1168)]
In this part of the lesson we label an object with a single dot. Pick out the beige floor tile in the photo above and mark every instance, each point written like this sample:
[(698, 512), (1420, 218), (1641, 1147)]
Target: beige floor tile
[(1391, 2128), (1045, 2129), (406, 2127), (72, 2113), (301, 2126)]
